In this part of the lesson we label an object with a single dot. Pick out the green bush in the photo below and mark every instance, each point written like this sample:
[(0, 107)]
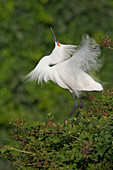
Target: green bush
[(83, 143), (25, 37)]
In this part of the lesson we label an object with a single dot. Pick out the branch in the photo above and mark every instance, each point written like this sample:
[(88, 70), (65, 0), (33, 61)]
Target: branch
[(18, 150)]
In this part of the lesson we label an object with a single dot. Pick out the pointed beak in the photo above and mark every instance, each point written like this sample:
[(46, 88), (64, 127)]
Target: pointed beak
[(53, 35)]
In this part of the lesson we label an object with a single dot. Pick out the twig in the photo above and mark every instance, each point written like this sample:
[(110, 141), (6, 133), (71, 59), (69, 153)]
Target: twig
[(18, 150)]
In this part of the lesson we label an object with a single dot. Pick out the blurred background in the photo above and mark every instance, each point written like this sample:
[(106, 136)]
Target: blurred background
[(25, 37)]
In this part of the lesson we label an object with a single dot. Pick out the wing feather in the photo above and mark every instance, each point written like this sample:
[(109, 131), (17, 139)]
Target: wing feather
[(86, 56)]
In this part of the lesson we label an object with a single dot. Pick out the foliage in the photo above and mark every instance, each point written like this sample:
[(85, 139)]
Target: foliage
[(106, 42), (86, 143), (25, 37)]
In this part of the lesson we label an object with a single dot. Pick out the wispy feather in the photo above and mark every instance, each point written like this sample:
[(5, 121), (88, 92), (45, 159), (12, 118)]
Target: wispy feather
[(87, 55)]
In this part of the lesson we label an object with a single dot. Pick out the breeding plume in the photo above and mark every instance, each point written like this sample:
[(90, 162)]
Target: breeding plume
[(68, 66)]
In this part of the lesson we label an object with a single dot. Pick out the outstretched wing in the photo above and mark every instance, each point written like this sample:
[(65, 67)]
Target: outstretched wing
[(72, 72), (86, 56)]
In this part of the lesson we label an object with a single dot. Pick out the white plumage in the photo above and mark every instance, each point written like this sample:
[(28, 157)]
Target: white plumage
[(68, 66)]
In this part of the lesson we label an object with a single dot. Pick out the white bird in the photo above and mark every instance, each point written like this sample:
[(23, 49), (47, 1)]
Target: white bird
[(68, 66)]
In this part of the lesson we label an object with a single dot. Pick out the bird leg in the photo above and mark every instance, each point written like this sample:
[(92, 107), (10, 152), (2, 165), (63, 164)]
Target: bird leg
[(82, 104), (76, 104)]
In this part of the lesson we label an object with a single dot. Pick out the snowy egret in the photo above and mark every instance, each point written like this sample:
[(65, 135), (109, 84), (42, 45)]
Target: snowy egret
[(68, 66)]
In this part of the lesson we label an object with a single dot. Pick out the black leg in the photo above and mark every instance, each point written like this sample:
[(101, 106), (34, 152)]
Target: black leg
[(74, 106), (82, 104)]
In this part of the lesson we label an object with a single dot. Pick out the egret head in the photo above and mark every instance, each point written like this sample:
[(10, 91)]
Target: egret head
[(56, 41)]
